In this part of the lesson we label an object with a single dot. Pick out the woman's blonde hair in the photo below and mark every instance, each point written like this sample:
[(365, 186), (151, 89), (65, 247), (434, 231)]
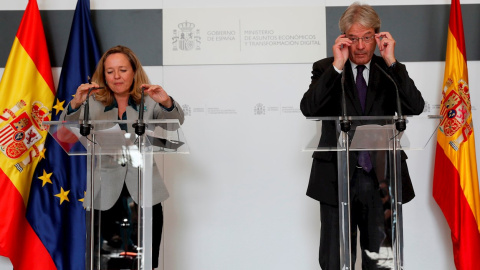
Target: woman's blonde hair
[(105, 96)]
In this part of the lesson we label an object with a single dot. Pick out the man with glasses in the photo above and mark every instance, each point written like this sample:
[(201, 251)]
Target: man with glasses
[(368, 92)]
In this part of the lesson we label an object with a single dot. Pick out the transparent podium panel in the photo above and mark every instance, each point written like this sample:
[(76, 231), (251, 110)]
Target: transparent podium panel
[(166, 135), (370, 156), (124, 183)]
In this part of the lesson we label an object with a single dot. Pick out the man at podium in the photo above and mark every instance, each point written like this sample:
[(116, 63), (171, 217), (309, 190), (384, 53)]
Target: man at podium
[(368, 92), (115, 93)]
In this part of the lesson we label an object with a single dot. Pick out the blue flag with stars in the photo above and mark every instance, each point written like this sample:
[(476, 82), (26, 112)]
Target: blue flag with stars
[(55, 209)]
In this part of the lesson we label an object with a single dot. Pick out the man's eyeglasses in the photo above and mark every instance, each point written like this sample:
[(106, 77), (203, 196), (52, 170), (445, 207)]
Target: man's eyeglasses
[(365, 39)]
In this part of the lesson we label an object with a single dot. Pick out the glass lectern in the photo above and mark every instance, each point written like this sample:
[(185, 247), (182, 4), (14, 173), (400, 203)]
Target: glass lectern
[(111, 154), (379, 137)]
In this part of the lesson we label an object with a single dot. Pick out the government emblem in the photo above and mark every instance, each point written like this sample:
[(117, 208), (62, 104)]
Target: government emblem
[(186, 38), (22, 133), (456, 110)]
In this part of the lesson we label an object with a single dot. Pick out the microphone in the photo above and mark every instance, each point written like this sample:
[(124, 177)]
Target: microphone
[(345, 124), (400, 123), (140, 125), (85, 126)]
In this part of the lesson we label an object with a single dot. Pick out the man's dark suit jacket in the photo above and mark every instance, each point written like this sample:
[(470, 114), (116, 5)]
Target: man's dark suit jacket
[(323, 98)]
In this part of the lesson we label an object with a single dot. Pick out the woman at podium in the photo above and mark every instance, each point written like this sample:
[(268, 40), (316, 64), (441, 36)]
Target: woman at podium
[(114, 93)]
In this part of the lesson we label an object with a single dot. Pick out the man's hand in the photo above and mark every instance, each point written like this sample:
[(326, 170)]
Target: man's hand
[(340, 51), (386, 45)]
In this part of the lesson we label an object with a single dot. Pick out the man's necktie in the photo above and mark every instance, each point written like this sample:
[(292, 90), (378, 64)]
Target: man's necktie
[(363, 156), (361, 86)]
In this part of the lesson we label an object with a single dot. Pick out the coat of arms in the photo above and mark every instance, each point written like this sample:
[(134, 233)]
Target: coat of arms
[(186, 38), (23, 132), (456, 111)]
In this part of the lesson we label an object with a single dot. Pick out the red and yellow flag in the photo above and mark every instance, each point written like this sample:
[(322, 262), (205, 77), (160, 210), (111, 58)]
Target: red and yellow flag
[(455, 184), (27, 92)]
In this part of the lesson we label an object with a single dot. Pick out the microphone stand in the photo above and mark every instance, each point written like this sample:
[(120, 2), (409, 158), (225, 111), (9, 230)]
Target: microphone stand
[(85, 126), (345, 124), (396, 182), (400, 123), (140, 130), (140, 125), (344, 186)]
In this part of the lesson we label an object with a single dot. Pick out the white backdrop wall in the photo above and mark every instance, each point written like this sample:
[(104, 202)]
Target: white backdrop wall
[(238, 200)]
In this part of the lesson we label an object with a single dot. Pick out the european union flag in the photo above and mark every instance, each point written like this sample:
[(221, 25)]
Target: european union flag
[(55, 209)]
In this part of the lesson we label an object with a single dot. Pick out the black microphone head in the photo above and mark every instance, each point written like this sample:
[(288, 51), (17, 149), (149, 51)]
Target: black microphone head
[(85, 129), (345, 125), (85, 126), (140, 125), (139, 128), (400, 125)]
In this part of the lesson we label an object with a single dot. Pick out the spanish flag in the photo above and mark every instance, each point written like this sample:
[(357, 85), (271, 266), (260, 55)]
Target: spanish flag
[(455, 184), (27, 92)]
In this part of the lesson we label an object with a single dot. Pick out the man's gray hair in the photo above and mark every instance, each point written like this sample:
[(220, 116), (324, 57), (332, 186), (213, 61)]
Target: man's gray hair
[(363, 14)]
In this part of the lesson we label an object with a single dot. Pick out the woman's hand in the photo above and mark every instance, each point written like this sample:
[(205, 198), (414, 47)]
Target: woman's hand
[(82, 93), (158, 94)]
